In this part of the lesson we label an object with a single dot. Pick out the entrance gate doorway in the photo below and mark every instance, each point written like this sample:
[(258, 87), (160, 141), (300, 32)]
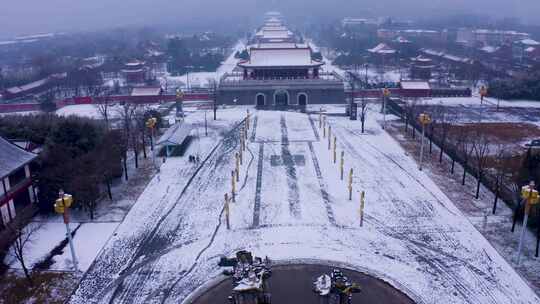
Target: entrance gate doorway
[(302, 99), (261, 100), (281, 98)]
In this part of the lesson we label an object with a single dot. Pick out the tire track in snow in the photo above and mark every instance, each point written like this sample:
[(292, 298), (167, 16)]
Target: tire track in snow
[(373, 147), (322, 185), (258, 186), (292, 177), (254, 127), (315, 131)]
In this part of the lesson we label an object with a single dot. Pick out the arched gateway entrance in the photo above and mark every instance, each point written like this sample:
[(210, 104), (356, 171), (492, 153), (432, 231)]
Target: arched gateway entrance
[(261, 100), (302, 99), (281, 98)]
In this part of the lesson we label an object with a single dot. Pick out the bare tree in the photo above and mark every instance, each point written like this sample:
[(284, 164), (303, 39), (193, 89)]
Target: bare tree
[(481, 149), (363, 111), (412, 108), (104, 107), (464, 148), (446, 119), (127, 115), (502, 170), (24, 235), (140, 123)]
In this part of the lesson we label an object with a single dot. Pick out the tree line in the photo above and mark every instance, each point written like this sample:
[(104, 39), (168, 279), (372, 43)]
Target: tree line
[(80, 155), (524, 89)]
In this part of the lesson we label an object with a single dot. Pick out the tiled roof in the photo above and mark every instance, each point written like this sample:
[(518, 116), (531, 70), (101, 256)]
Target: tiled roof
[(12, 157)]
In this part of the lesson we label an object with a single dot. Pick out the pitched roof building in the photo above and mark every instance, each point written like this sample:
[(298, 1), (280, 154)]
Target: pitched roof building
[(16, 189)]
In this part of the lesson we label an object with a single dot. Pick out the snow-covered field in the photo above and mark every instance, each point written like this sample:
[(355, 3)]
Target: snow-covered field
[(292, 206), (88, 240)]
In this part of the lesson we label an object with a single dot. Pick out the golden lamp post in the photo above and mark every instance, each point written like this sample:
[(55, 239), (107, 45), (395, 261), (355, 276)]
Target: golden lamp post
[(61, 206), (483, 93), (424, 119), (530, 196)]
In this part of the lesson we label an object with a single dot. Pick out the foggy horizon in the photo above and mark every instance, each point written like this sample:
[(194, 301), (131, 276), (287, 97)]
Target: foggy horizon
[(33, 16)]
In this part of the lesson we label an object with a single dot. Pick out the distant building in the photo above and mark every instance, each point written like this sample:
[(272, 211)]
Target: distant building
[(136, 73), (35, 87), (526, 49), (421, 68), (411, 34), (16, 191), (280, 72), (483, 37), (383, 54)]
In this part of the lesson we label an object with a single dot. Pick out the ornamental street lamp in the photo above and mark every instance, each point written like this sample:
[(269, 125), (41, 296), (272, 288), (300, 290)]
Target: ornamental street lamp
[(483, 93), (530, 196), (424, 120), (61, 206), (151, 123)]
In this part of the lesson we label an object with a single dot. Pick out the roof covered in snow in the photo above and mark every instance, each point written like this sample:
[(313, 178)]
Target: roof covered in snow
[(277, 34), (415, 85), (489, 49), (281, 45), (280, 57), (146, 91), (176, 134), (530, 42), (382, 48), (28, 87), (12, 157)]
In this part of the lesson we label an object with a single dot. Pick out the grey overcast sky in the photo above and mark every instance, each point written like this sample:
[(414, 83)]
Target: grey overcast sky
[(37, 16)]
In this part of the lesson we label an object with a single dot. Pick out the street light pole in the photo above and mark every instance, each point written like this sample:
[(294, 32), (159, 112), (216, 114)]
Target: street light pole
[(61, 206), (530, 195)]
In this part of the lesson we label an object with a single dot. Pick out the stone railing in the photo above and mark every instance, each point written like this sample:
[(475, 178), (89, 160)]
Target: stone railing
[(238, 79)]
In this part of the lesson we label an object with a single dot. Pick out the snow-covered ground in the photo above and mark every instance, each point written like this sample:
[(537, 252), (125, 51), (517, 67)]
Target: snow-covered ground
[(292, 206), (475, 101), (84, 110), (88, 240)]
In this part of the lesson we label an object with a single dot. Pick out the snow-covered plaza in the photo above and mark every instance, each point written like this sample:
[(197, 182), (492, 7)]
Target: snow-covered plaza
[(292, 206)]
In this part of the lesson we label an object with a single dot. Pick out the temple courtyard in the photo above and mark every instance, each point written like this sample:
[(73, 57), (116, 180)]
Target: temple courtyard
[(292, 205)]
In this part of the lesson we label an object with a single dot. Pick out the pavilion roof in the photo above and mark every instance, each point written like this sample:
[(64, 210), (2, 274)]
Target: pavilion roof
[(280, 57), (176, 134), (382, 48), (146, 91), (12, 157)]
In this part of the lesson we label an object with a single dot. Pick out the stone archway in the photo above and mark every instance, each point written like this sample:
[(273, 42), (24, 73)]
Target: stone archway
[(302, 99), (281, 98), (260, 100)]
